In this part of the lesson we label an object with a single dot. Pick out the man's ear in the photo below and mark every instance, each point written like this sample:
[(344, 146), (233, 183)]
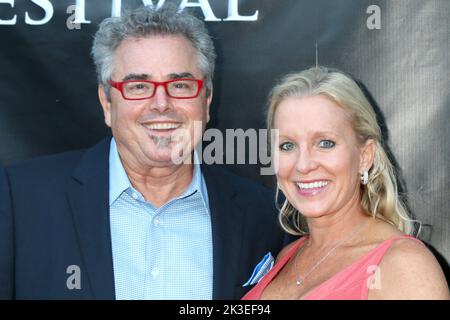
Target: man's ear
[(367, 155), (106, 104), (208, 103)]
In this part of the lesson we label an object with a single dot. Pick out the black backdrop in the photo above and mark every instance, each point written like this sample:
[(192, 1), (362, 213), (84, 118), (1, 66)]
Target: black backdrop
[(48, 97)]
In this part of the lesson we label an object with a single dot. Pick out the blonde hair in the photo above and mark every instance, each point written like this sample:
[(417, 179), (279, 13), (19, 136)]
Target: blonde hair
[(379, 197)]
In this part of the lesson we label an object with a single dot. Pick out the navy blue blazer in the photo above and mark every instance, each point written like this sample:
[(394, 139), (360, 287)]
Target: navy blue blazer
[(54, 213)]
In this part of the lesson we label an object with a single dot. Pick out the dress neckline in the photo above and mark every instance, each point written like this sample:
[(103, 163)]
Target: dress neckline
[(363, 257)]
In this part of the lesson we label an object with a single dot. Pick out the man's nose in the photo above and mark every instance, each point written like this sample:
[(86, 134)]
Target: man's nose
[(160, 101)]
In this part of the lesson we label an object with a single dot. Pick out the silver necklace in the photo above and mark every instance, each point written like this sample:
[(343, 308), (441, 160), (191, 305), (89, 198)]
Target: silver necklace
[(299, 280)]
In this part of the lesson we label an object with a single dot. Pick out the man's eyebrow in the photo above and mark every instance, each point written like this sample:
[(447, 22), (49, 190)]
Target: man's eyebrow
[(134, 76), (181, 75), (145, 76)]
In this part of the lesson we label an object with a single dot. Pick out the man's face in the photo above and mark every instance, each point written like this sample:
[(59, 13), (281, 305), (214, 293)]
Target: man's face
[(144, 130)]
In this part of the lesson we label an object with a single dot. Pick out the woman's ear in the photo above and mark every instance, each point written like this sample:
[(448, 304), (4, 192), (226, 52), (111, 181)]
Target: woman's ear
[(367, 155)]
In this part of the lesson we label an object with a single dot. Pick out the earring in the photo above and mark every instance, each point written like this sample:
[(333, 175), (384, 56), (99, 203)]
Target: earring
[(365, 177)]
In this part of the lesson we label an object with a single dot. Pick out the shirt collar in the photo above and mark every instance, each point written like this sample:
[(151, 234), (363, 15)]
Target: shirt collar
[(119, 182), (118, 179), (197, 184)]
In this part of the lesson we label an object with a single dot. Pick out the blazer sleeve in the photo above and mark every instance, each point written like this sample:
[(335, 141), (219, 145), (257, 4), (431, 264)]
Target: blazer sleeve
[(6, 240)]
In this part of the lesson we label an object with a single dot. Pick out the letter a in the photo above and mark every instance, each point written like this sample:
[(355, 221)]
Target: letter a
[(74, 280), (374, 20), (204, 5)]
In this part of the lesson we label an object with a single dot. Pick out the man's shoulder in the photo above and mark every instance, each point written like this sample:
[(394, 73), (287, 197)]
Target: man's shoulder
[(51, 162), (48, 166), (34, 183), (43, 166)]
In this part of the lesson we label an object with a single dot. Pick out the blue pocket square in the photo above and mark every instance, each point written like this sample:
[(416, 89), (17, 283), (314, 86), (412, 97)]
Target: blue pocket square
[(260, 270)]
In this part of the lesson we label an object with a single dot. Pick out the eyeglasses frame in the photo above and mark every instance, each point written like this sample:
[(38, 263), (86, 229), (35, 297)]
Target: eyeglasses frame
[(119, 86)]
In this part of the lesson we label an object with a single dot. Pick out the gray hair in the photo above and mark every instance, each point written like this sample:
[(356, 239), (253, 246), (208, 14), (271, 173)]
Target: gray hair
[(145, 22), (379, 197)]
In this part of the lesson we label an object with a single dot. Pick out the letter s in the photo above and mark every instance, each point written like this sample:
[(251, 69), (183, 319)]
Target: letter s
[(48, 8)]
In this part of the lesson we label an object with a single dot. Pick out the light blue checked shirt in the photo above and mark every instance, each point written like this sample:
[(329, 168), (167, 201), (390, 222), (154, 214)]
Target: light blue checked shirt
[(159, 253)]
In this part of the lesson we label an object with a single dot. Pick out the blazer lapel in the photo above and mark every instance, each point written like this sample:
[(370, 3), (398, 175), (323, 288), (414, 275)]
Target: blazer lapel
[(227, 229), (88, 194)]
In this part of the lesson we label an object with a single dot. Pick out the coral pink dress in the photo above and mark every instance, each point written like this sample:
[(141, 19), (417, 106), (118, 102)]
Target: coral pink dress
[(351, 283)]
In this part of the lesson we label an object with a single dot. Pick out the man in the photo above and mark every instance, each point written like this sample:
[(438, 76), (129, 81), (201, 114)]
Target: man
[(133, 217)]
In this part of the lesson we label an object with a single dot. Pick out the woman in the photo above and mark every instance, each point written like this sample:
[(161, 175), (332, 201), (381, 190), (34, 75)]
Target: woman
[(341, 192)]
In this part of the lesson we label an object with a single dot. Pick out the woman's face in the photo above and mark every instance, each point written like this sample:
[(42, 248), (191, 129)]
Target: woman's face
[(320, 158)]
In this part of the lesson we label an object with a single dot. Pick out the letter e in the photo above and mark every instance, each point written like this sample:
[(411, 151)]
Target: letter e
[(10, 21)]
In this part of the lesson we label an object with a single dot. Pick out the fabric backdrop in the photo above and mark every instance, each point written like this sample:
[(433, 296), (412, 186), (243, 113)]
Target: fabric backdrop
[(398, 49)]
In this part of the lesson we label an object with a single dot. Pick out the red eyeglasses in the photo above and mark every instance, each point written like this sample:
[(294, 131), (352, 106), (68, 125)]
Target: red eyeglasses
[(145, 89)]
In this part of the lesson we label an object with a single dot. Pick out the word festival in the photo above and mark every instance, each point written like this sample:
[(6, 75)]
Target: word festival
[(81, 8)]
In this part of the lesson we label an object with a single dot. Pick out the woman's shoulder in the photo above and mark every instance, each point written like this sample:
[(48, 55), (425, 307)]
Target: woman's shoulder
[(409, 270), (400, 245), (408, 252)]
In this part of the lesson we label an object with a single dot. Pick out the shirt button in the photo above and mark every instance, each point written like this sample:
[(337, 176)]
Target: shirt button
[(155, 272), (135, 195), (156, 221)]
